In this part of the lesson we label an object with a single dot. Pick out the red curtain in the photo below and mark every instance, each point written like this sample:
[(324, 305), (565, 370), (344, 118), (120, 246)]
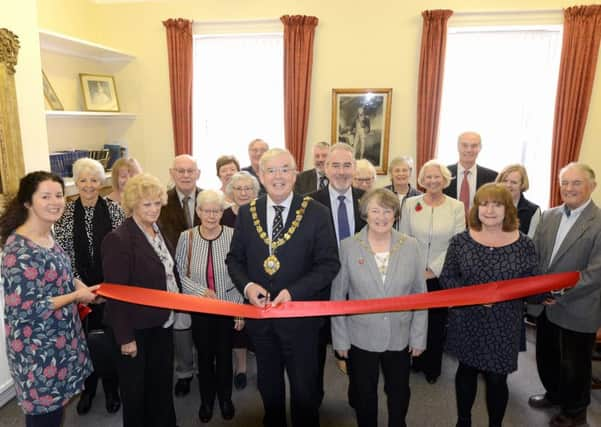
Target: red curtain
[(179, 49), (429, 88), (579, 52), (299, 34)]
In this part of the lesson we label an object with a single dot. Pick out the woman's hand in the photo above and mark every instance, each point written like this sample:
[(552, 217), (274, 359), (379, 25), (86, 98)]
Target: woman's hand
[(85, 294), (343, 354), (238, 323), (429, 274), (415, 352), (130, 349)]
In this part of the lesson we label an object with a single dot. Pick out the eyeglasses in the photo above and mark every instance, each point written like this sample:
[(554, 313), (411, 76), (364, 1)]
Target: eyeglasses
[(284, 170), (243, 189), (363, 179), (181, 171), (338, 166), (211, 211), (385, 211)]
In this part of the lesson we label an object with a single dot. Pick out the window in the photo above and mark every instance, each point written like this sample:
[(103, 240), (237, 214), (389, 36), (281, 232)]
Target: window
[(238, 95), (501, 82)]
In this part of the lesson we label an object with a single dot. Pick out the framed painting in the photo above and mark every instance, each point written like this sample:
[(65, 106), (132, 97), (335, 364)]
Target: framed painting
[(50, 94), (99, 92), (361, 118)]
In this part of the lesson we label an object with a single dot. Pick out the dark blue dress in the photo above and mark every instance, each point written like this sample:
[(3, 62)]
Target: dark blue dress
[(486, 338)]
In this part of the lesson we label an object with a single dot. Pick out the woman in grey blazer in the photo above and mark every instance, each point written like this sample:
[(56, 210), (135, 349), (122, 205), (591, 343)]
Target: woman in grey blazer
[(379, 262)]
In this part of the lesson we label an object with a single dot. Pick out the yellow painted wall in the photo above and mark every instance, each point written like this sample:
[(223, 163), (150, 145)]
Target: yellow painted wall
[(374, 45)]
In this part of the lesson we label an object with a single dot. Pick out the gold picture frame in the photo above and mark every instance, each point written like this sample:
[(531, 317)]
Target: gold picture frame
[(361, 118), (50, 94), (99, 93)]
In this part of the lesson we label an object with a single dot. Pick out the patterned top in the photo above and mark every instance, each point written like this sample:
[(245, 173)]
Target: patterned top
[(196, 282), (47, 351), (63, 229), (486, 338)]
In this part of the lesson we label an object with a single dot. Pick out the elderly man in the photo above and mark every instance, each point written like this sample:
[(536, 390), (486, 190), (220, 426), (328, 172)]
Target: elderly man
[(178, 215), (314, 179), (467, 175), (256, 148), (284, 249), (568, 238), (342, 201)]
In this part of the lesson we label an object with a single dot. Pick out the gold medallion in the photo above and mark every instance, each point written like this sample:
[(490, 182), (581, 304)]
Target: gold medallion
[(271, 265)]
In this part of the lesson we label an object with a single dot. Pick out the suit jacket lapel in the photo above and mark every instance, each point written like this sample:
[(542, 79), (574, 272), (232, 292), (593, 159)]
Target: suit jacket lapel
[(577, 230), (294, 206)]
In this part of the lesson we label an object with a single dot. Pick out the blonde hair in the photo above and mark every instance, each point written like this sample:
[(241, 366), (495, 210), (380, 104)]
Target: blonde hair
[(525, 185), (142, 186), (210, 196), (444, 171)]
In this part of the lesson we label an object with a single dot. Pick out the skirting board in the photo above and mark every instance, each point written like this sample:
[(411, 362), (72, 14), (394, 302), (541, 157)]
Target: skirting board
[(7, 392)]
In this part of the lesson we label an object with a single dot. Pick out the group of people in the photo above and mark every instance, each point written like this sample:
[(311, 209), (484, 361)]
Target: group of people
[(270, 236)]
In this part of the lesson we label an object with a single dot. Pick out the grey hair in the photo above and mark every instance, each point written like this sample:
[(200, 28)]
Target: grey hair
[(321, 144), (444, 171), (583, 167), (241, 176), (408, 160), (365, 165), (211, 196), (92, 166), (274, 152), (342, 146)]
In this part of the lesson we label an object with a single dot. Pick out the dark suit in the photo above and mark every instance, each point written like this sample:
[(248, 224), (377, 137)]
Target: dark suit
[(411, 193), (309, 262), (565, 332), (147, 379), (306, 182), (172, 220), (323, 196), (483, 176)]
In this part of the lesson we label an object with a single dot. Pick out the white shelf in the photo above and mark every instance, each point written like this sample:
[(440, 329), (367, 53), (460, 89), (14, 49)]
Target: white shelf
[(59, 43), (57, 114)]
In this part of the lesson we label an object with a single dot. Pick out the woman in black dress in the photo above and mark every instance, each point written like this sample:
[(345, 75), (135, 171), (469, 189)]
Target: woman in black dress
[(485, 338)]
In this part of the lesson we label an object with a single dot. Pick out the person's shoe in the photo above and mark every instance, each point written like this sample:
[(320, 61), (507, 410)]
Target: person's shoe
[(240, 380), (540, 401), (431, 379), (227, 409), (85, 403), (182, 387), (112, 402), (205, 413), (563, 420)]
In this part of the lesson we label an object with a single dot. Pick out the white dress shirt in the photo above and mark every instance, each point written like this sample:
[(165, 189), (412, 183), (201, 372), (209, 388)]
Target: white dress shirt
[(191, 205)]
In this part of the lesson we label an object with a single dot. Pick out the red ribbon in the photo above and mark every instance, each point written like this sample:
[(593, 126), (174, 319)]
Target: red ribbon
[(488, 293)]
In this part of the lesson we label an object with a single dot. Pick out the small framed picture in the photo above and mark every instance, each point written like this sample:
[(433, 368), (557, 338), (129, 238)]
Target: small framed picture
[(50, 94), (99, 92), (361, 118)]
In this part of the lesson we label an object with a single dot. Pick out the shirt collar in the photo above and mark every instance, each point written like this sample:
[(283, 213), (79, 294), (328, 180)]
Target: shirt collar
[(181, 195), (286, 203), (334, 194), (579, 209), (461, 169)]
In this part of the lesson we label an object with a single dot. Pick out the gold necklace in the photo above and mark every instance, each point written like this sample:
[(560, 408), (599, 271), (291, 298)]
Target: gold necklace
[(272, 264)]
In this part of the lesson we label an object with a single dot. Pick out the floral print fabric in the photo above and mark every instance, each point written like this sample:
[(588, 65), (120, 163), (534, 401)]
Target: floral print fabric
[(47, 351)]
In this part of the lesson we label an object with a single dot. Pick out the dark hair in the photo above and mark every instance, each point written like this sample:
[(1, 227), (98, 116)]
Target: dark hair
[(493, 192), (226, 160), (15, 214)]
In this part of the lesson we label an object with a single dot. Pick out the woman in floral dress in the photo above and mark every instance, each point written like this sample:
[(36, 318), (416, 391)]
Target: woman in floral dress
[(46, 348)]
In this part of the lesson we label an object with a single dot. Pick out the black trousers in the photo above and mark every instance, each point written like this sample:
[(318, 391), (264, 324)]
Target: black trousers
[(563, 359), (146, 381), (430, 361), (288, 345), (364, 370), (466, 386), (212, 336), (51, 419), (325, 337)]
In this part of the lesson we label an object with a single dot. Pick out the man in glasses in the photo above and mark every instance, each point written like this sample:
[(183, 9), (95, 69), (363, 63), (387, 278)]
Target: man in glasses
[(178, 215), (284, 249)]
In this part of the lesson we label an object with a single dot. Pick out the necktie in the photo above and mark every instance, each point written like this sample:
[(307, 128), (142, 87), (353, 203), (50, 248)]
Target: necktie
[(567, 211), (343, 227), (186, 206), (278, 223), (464, 194), (323, 181)]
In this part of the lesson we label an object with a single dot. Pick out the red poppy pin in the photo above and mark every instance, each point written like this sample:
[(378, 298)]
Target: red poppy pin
[(361, 261), (418, 207)]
